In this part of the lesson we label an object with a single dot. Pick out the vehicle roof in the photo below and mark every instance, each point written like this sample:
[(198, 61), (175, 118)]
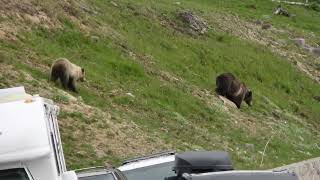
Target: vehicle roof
[(23, 130), (13, 94), (242, 175)]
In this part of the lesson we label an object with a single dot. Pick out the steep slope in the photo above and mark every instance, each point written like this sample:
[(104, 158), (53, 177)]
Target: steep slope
[(150, 83)]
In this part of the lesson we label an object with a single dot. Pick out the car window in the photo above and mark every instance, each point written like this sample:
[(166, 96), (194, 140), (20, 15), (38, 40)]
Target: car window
[(14, 174), (99, 177), (155, 172), (120, 175)]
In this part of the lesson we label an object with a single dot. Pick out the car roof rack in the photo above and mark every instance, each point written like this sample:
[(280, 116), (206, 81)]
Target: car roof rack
[(166, 153)]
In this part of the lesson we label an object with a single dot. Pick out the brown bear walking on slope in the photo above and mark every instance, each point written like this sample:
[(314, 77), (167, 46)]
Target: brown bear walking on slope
[(229, 87), (67, 72)]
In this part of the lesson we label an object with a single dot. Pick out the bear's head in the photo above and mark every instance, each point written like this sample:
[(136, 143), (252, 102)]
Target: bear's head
[(248, 97), (82, 75)]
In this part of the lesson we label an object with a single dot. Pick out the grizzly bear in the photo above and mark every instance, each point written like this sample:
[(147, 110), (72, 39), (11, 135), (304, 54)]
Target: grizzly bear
[(228, 86), (67, 72)]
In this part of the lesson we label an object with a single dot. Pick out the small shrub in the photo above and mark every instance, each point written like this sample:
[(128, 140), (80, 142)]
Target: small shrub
[(315, 5), (220, 38), (61, 98)]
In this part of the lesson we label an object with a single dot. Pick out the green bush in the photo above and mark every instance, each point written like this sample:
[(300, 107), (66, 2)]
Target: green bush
[(315, 5)]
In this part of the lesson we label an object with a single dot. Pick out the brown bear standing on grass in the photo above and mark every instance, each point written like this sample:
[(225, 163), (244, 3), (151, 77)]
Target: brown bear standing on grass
[(67, 72), (229, 87)]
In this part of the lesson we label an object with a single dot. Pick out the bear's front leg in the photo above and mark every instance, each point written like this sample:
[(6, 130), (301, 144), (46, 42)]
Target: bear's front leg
[(72, 85)]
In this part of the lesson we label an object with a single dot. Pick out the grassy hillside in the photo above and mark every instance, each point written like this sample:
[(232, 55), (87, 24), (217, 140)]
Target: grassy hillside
[(150, 84)]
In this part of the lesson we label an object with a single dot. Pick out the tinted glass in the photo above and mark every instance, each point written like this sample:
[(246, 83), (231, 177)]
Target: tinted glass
[(99, 177), (155, 172), (248, 176), (14, 174)]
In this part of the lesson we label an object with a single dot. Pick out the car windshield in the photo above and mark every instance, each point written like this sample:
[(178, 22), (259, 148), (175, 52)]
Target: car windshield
[(14, 174), (155, 172), (108, 176)]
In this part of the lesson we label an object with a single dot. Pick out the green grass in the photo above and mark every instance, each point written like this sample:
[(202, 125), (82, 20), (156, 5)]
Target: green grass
[(189, 123)]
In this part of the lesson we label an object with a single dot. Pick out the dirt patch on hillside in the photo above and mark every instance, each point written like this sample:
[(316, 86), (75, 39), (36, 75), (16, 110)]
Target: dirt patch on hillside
[(23, 15), (106, 133), (24, 11), (20, 15)]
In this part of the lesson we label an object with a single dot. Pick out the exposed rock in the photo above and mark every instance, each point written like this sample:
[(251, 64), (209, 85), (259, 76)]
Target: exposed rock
[(130, 94), (195, 23), (315, 51), (266, 26), (94, 38), (258, 22), (114, 4), (300, 42), (305, 170), (249, 146), (280, 11)]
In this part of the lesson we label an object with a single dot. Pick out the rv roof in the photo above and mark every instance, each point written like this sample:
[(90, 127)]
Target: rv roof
[(13, 94), (23, 130)]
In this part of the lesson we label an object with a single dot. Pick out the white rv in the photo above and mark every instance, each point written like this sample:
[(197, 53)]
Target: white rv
[(30, 144)]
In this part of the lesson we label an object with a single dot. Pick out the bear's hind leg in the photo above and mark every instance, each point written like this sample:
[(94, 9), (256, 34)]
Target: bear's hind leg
[(221, 92), (65, 82)]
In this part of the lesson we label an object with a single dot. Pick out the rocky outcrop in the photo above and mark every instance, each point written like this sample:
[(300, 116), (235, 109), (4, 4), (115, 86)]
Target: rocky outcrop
[(300, 42), (306, 170), (195, 23)]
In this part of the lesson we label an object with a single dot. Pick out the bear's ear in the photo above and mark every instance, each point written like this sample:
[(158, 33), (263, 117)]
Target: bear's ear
[(249, 93), (82, 70)]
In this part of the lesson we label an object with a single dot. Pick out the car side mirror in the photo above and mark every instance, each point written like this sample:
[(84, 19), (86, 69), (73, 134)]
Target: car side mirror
[(69, 175)]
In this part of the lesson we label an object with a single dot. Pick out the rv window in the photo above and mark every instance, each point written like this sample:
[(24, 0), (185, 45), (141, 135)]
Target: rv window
[(14, 174), (55, 153), (56, 144)]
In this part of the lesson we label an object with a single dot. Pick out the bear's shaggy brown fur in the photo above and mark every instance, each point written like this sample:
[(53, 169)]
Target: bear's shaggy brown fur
[(229, 87), (67, 72)]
